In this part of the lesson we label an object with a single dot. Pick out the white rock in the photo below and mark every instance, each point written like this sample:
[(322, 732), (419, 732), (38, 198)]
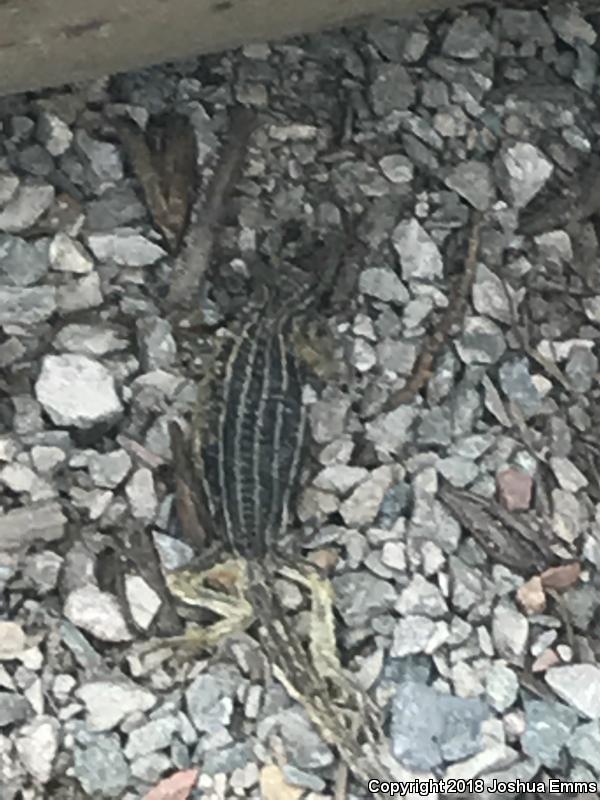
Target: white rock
[(143, 601), (141, 495), (389, 432), (578, 685), (340, 478), (363, 504), (418, 253), (76, 390), (67, 255), (383, 284), (9, 184), (528, 170), (37, 745), (26, 206), (108, 702), (98, 613), (125, 246)]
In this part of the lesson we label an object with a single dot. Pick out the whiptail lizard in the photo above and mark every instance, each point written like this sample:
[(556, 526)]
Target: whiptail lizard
[(247, 447)]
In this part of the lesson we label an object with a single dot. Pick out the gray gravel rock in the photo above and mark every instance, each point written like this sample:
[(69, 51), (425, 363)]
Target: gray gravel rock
[(581, 369), (518, 386), (54, 133), (584, 744), (568, 476), (100, 766), (26, 306), (510, 631), (390, 432), (117, 207), (412, 634), (228, 759), (419, 255), (67, 255), (37, 746), (108, 469), (397, 168), (384, 284), (489, 296), (467, 38), (22, 263), (468, 586), (528, 171), (435, 427), (362, 506), (21, 527), (304, 748), (210, 699), (143, 601), (13, 708), (77, 390), (360, 595), (150, 768), (578, 685), (421, 597), (108, 702), (473, 181), (571, 26), (501, 686), (9, 183), (328, 416), (98, 613), (125, 246), (398, 357), (482, 342), (142, 495), (78, 295), (104, 157), (26, 206), (363, 357), (156, 342), (391, 90), (340, 478), (154, 735), (457, 470), (549, 726), (429, 728), (91, 340), (42, 570)]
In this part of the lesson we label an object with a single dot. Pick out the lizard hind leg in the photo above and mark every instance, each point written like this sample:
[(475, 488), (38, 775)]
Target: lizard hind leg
[(195, 588), (325, 657)]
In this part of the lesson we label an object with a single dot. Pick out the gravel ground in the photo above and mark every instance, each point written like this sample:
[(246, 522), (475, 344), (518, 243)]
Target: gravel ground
[(476, 622)]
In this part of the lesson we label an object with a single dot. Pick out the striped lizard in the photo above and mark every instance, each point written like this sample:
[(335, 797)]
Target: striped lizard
[(248, 442)]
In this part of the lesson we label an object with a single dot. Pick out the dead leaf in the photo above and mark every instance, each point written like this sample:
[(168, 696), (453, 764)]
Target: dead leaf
[(164, 162)]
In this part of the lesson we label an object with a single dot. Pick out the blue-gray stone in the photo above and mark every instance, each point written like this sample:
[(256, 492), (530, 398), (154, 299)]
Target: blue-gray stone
[(584, 744), (236, 756), (429, 728), (549, 726), (395, 502), (101, 767), (517, 384)]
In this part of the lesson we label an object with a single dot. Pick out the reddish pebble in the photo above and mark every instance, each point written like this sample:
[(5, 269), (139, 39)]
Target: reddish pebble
[(549, 658), (562, 577), (514, 489), (531, 596), (178, 786)]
